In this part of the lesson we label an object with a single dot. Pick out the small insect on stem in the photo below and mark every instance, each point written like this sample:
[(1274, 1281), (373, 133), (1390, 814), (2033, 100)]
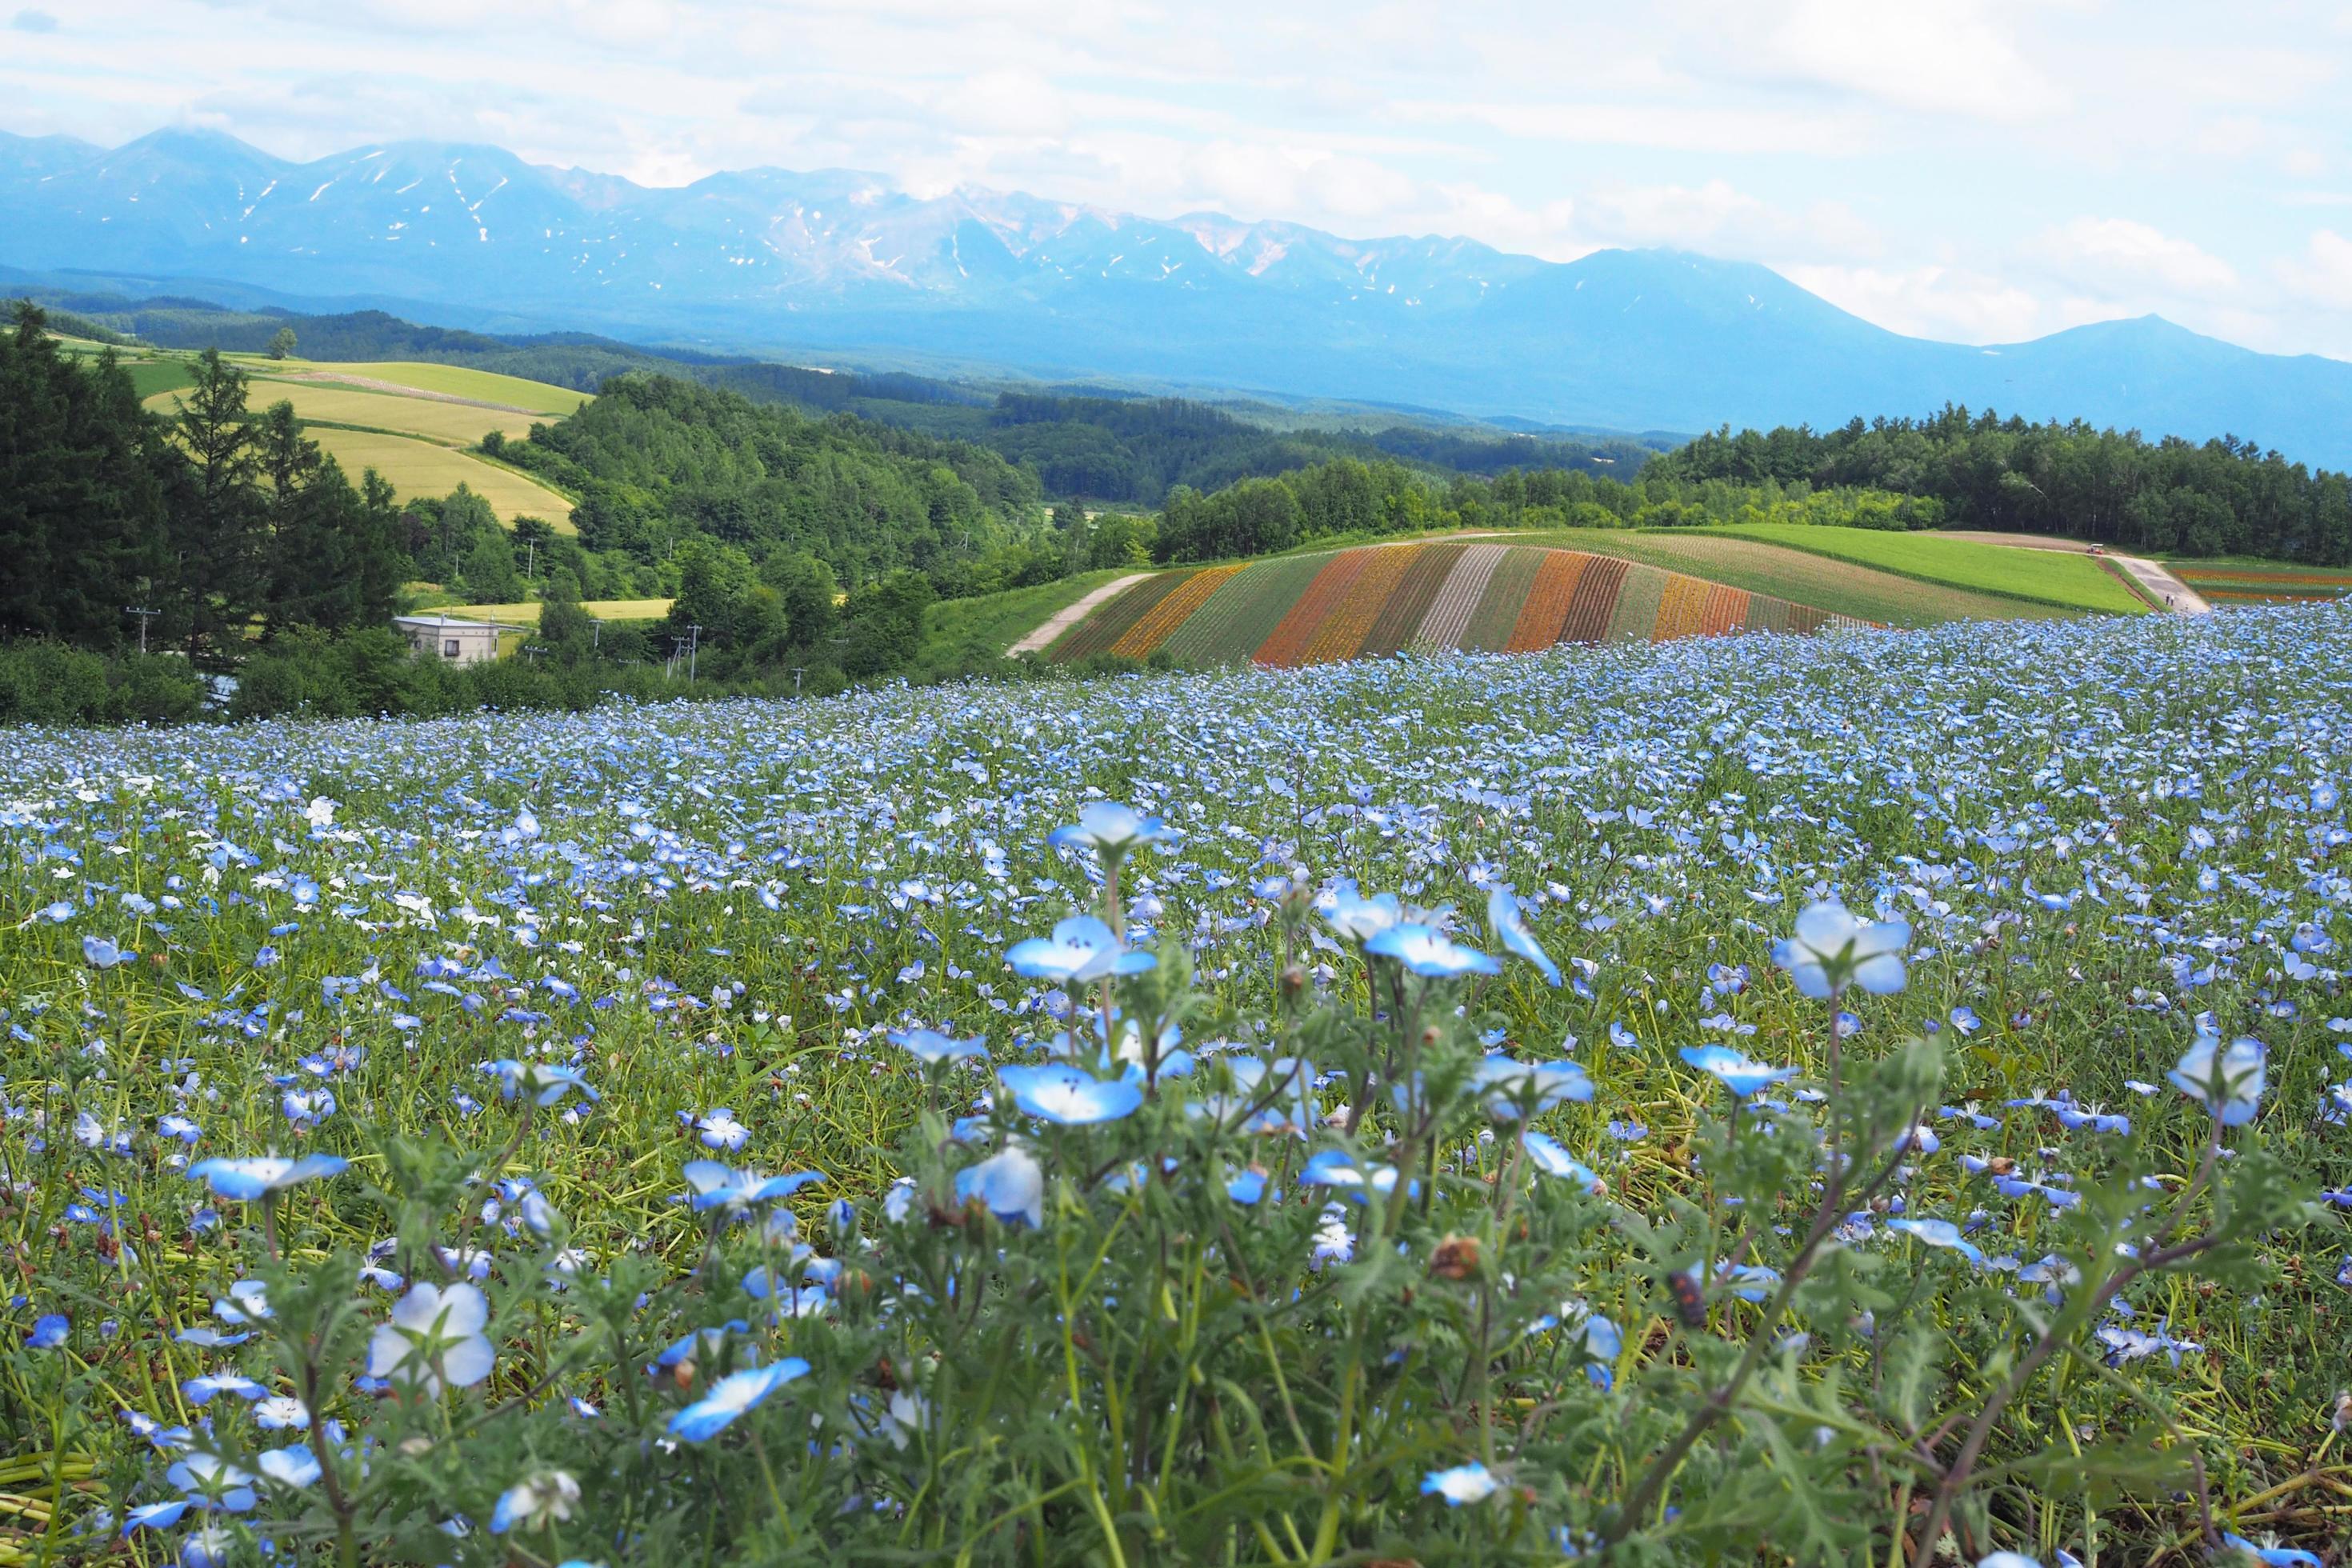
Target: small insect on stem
[(1690, 1303)]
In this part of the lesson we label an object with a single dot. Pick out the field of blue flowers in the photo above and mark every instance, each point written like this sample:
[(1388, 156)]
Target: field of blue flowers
[(1873, 1099)]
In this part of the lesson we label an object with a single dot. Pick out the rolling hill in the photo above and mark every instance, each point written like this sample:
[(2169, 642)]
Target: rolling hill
[(413, 423), (838, 262), (1517, 592)]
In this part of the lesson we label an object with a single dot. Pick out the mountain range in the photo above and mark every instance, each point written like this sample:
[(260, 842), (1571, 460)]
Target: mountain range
[(836, 263)]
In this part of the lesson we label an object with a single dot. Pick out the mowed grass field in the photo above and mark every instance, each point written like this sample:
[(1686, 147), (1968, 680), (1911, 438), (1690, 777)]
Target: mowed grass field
[(456, 381), (528, 615), (2048, 577), (414, 442), (420, 467), (1427, 596)]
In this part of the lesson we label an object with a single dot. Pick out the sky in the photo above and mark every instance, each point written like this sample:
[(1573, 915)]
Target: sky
[(1973, 170)]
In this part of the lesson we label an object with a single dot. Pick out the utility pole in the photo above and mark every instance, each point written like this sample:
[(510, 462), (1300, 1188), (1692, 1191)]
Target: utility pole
[(798, 670), (531, 558), (693, 646), (595, 634), (144, 615)]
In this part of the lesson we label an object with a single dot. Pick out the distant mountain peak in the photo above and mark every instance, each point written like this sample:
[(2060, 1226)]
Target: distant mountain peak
[(844, 264)]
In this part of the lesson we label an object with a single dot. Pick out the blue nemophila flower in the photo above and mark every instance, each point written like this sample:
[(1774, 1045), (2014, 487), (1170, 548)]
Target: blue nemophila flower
[(1831, 950), (1733, 1072), (1245, 1187), (931, 1047), (212, 1482), (717, 1128), (433, 1340), (1068, 1097), (732, 1395), (1110, 828), (1354, 917), (1010, 1185), (1517, 1089), (1081, 949), (101, 952), (1604, 1342), (1473, 1482), (294, 1464), (258, 1175), (544, 1082), (2228, 1081), (538, 1502), (2272, 1556), (1507, 918), (716, 1186), (202, 1389), (1940, 1233), (2008, 1559), (1553, 1160), (49, 1332), (1429, 952)]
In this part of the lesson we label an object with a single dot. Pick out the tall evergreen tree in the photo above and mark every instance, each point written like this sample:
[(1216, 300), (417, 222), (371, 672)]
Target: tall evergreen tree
[(81, 492), (221, 515)]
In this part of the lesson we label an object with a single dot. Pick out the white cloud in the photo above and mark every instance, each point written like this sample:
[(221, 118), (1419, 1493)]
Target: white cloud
[(1934, 302), (2118, 256), (1949, 56), (2324, 273)]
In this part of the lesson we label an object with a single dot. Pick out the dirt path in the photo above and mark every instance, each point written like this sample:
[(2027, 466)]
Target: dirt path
[(1062, 620), (2170, 591)]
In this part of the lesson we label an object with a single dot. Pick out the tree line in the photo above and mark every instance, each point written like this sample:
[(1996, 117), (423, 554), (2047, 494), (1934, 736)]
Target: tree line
[(199, 531), (2221, 497)]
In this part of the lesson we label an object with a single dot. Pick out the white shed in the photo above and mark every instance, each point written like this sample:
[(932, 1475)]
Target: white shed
[(446, 637)]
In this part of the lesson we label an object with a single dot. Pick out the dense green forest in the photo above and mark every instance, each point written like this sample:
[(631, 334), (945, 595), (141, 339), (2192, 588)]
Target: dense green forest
[(2223, 497), (1346, 498)]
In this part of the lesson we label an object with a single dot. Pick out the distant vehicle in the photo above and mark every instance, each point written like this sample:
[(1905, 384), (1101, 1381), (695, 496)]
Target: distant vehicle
[(2098, 549)]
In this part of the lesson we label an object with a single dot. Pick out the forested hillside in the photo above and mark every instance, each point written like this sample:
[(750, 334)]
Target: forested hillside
[(656, 459), (1083, 444), (2225, 496)]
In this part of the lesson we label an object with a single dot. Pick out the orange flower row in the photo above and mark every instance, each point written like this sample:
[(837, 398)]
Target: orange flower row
[(1545, 613), (1163, 619), (1287, 644), (1342, 633)]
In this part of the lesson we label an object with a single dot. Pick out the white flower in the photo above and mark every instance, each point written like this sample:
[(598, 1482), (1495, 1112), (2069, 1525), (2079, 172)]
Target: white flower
[(434, 1338)]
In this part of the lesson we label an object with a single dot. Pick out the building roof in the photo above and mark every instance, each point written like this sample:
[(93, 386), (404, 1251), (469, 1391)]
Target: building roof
[(451, 622)]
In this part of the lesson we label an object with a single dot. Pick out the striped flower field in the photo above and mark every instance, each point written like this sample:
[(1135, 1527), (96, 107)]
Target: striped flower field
[(1428, 598)]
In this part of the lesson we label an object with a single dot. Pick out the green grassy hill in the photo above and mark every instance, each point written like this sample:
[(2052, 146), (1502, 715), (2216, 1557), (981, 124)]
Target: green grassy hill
[(2048, 577)]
